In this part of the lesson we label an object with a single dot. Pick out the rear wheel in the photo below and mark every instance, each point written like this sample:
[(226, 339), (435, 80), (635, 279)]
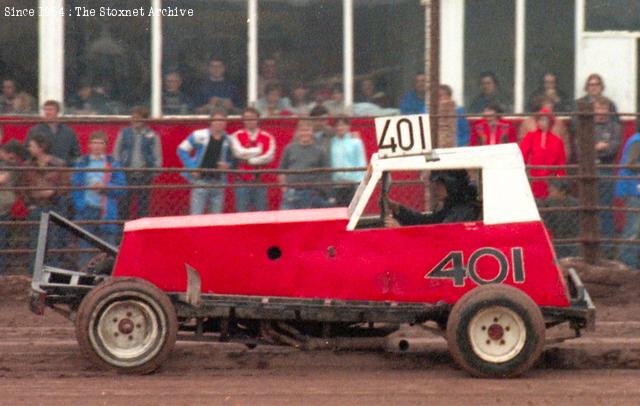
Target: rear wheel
[(127, 325), (495, 331)]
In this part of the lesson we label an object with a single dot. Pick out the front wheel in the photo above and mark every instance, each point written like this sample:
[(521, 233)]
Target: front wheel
[(127, 325), (495, 331)]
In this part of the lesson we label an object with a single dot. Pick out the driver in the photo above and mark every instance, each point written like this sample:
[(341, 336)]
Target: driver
[(456, 201)]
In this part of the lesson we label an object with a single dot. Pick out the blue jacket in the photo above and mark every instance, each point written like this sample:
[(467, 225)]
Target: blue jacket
[(147, 148), (198, 141), (347, 152), (109, 210), (628, 187)]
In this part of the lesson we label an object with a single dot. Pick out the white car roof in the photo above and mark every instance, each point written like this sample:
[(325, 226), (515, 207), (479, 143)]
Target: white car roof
[(506, 193)]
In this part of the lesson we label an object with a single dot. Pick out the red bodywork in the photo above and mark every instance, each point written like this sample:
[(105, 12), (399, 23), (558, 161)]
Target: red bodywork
[(320, 258)]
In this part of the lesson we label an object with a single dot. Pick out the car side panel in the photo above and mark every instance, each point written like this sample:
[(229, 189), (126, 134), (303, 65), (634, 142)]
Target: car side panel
[(323, 260)]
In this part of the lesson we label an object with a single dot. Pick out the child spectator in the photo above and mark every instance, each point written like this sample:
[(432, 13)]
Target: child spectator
[(558, 127), (303, 153), (254, 148), (492, 129), (99, 203), (322, 130), (207, 148), (347, 151), (543, 147)]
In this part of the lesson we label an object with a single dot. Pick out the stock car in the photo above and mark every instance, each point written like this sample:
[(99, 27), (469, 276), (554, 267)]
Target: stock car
[(308, 278)]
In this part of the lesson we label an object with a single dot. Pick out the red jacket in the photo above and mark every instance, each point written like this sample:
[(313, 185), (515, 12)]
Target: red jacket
[(253, 152), (543, 149), (481, 133)]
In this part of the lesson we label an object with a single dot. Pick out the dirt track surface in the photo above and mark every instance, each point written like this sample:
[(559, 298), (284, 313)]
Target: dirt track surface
[(40, 364)]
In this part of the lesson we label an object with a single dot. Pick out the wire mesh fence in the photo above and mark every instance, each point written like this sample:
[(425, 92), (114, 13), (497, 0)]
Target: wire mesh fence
[(580, 208), (167, 194)]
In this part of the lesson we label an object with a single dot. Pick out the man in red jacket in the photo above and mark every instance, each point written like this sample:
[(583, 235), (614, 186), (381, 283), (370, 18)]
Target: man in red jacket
[(491, 130), (254, 149), (542, 147)]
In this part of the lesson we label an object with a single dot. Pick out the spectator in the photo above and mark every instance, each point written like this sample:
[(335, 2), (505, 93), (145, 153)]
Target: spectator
[(62, 141), (88, 101), (320, 96), (347, 151), (174, 101), (268, 75), (300, 106), (24, 104), (608, 136), (559, 128), (489, 94), (273, 104), (216, 91), (594, 86), (322, 130), (335, 105), (254, 148), (370, 94), (548, 90), (138, 146), (629, 190), (492, 129), (100, 203), (543, 147), (7, 200), (45, 194), (561, 224), (413, 101), (461, 136), (303, 153), (14, 153), (9, 92), (207, 148)]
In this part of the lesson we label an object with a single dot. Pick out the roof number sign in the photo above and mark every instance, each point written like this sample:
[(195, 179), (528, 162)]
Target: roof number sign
[(403, 135)]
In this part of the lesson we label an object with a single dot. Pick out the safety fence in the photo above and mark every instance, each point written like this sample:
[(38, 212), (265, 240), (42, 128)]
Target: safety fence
[(564, 211), (582, 213)]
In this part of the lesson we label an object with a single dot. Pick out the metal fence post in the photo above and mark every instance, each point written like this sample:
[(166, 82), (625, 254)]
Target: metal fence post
[(589, 225)]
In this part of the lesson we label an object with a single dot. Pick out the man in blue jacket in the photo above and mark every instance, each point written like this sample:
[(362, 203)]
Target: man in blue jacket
[(629, 189), (207, 148), (98, 203)]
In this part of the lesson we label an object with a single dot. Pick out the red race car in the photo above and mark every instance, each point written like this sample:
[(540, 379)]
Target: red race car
[(305, 277)]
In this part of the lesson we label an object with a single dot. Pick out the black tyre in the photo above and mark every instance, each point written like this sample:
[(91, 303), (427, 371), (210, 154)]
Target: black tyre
[(495, 331), (127, 325)]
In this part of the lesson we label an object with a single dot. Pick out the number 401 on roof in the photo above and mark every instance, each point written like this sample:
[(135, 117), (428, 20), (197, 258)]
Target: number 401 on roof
[(403, 135)]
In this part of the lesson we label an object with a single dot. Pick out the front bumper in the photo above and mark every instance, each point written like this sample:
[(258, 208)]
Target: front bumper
[(581, 313)]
